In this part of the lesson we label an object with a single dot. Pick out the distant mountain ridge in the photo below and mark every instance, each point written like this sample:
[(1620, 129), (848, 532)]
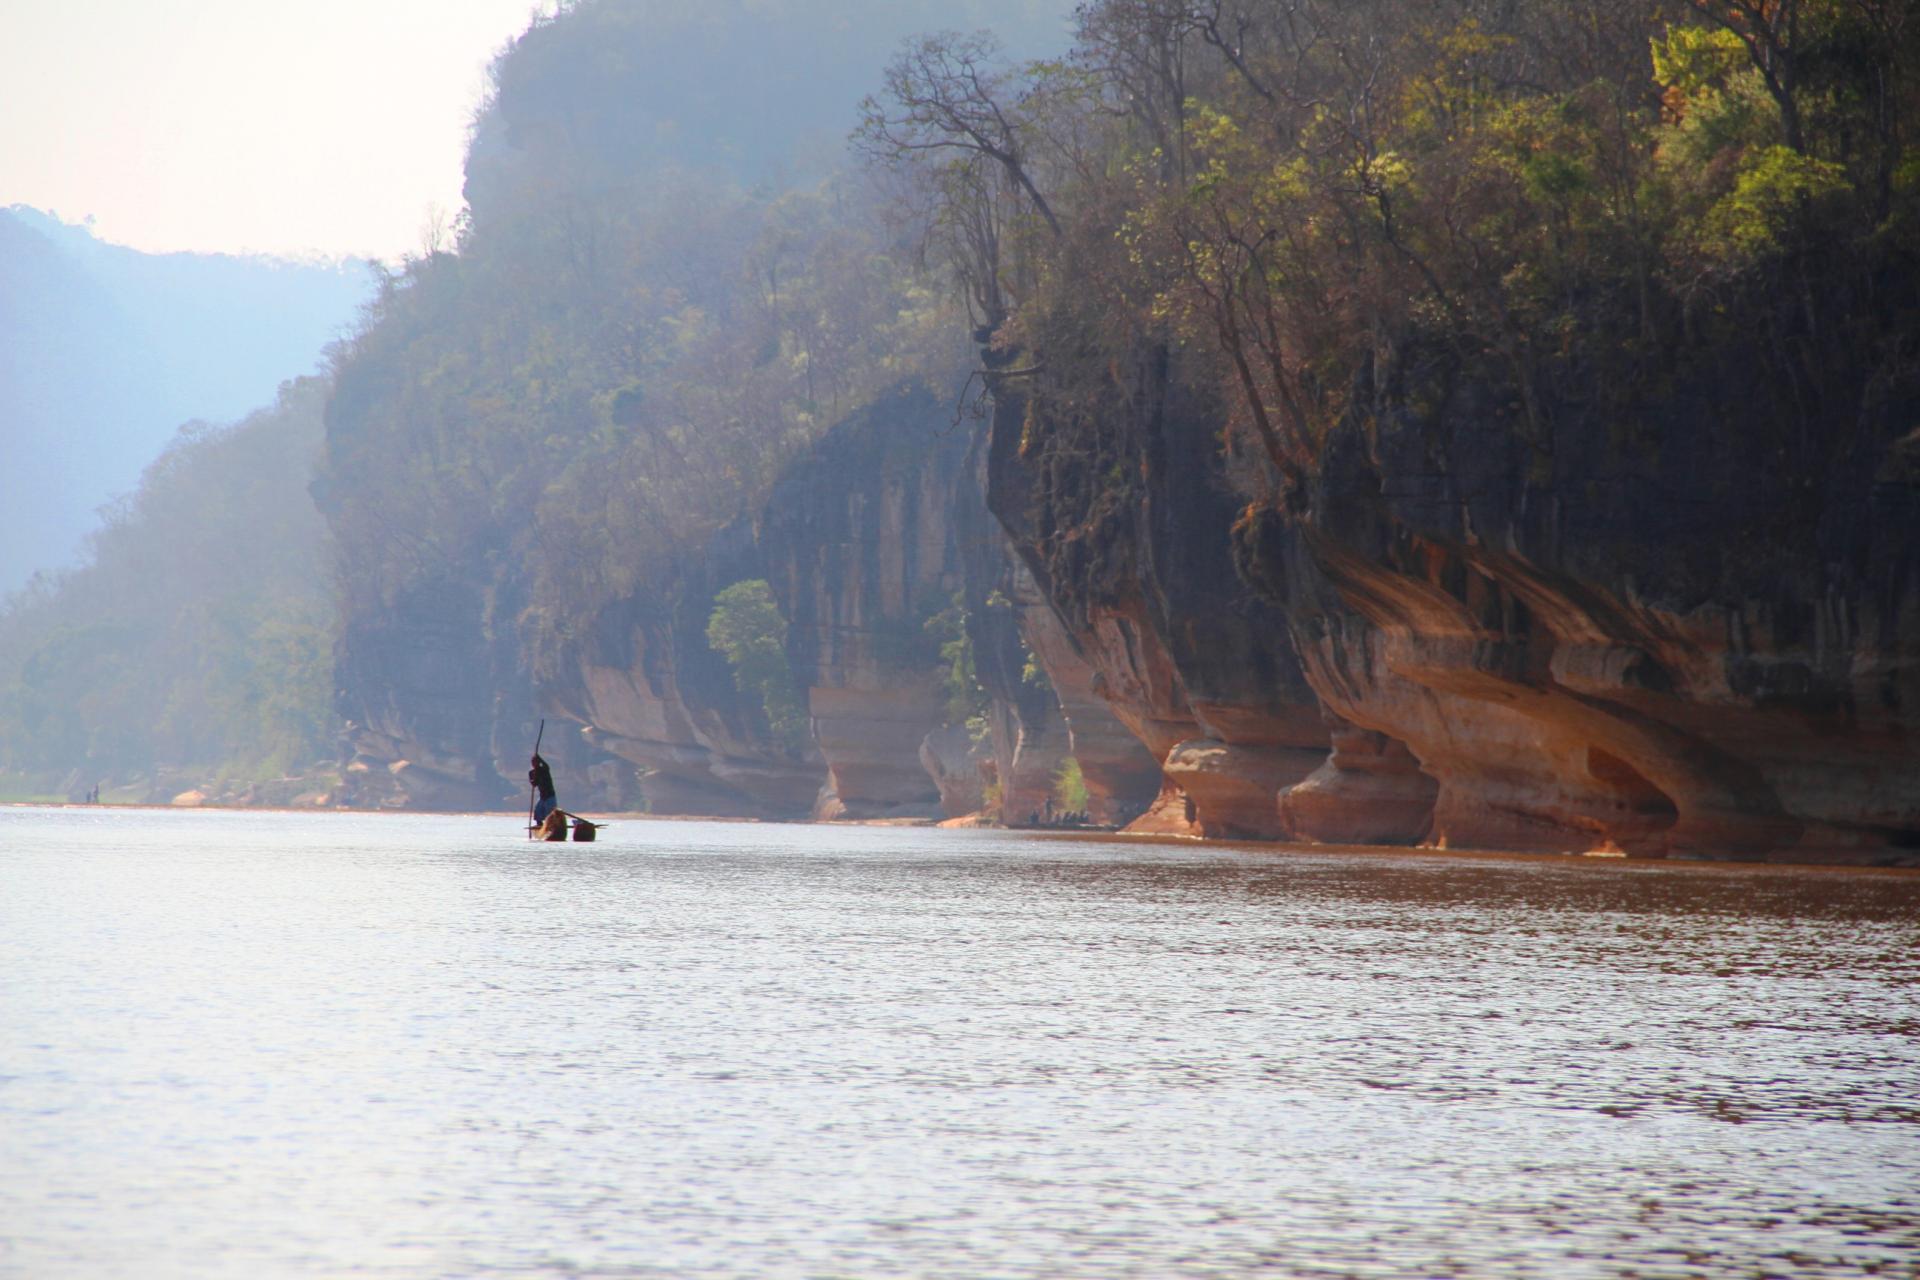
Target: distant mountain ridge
[(105, 351)]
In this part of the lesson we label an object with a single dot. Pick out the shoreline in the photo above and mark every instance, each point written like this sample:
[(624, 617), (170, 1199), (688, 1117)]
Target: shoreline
[(1252, 847)]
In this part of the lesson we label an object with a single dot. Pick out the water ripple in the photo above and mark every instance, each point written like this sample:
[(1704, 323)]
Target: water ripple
[(284, 1045)]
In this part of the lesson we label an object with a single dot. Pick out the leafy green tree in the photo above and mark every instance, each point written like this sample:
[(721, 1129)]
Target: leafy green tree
[(967, 700), (747, 629), (1070, 787), (1303, 190)]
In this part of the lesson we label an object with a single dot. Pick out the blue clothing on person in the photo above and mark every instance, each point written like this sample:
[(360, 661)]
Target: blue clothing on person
[(542, 779)]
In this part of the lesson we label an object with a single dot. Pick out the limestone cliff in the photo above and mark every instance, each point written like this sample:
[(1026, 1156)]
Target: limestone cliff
[(1708, 651), (1118, 505), (1042, 709), (861, 549), (1683, 623), (441, 699), (416, 686), (1687, 624), (1122, 776), (651, 691), (874, 539)]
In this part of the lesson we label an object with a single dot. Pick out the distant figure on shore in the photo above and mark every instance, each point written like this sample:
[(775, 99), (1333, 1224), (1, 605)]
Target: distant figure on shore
[(542, 779)]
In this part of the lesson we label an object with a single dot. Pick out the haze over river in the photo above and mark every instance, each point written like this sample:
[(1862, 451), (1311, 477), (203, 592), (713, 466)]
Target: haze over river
[(263, 1045)]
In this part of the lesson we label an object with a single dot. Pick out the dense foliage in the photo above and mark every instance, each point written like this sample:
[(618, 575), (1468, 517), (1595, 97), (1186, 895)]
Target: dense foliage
[(199, 636), (664, 286), (1297, 198), (747, 629), (615, 358)]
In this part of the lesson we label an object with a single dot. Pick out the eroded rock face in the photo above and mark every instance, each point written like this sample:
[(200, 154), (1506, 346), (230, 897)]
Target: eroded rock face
[(1118, 504), (1028, 752), (1710, 654), (1668, 604), (1520, 763), (652, 691), (693, 758), (954, 763), (440, 708), (415, 685), (871, 738), (863, 544), (1236, 789), (1370, 791), (639, 692), (861, 552), (1636, 735), (1122, 776), (1028, 732)]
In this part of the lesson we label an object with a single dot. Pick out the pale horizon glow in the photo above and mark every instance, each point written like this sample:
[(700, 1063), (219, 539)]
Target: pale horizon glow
[(247, 126)]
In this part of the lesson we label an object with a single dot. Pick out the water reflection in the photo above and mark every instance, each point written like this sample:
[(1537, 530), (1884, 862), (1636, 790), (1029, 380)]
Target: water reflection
[(317, 1046)]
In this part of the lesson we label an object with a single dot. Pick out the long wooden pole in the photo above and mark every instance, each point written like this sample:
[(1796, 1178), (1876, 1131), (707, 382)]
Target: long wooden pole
[(530, 787)]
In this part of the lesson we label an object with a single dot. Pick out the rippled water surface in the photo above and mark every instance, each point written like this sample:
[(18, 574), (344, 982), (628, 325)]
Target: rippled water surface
[(258, 1045)]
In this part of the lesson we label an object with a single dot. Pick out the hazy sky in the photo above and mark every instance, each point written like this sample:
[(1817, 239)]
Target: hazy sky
[(274, 126)]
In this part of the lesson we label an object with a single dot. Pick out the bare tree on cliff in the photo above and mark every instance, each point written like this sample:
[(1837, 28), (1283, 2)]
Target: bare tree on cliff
[(960, 124)]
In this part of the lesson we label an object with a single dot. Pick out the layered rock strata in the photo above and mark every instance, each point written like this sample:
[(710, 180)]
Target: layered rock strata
[(1371, 791), (640, 709)]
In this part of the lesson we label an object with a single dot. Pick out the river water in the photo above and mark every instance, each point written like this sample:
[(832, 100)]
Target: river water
[(262, 1045)]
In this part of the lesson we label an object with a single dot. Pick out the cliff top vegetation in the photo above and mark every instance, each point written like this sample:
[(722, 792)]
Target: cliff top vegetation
[(1305, 201)]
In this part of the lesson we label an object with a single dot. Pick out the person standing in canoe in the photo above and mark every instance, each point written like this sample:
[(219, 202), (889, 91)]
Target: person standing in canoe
[(542, 779)]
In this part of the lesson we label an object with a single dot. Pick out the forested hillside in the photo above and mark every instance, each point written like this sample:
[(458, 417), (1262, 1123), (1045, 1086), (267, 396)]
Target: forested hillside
[(615, 361), (630, 160), (108, 350), (195, 646), (1301, 200)]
